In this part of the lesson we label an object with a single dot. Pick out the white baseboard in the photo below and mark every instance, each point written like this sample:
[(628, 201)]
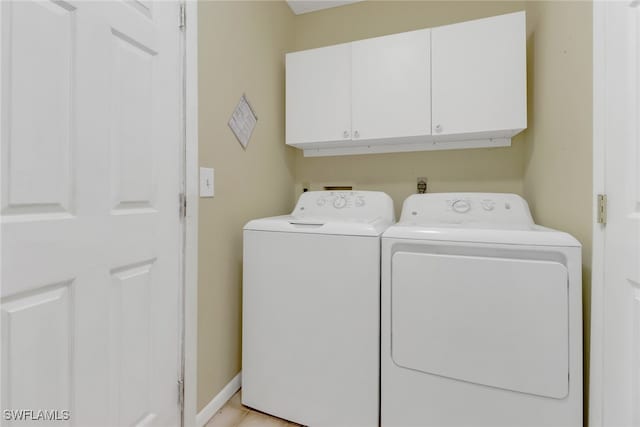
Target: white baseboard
[(219, 400)]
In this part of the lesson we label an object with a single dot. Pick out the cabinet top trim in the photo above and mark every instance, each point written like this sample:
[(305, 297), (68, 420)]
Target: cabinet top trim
[(510, 14)]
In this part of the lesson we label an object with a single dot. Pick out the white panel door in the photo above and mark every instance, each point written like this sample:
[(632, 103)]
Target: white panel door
[(318, 98), (479, 75), (391, 86), (619, 342), (91, 148)]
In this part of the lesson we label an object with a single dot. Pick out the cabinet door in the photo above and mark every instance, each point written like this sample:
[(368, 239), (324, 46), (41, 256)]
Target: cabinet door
[(479, 75), (318, 99), (391, 86)]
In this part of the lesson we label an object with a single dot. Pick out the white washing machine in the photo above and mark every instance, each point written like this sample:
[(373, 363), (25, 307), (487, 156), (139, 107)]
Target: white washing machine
[(311, 301), (481, 316)]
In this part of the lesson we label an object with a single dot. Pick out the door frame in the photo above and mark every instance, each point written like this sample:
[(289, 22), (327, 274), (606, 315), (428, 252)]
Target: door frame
[(191, 186), (600, 37)]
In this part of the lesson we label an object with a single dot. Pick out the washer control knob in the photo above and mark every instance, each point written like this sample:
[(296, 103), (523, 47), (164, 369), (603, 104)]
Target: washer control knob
[(359, 201), (340, 202), (488, 205), (321, 201), (461, 206)]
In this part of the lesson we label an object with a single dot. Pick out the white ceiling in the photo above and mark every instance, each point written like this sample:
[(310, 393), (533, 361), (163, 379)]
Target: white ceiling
[(305, 6)]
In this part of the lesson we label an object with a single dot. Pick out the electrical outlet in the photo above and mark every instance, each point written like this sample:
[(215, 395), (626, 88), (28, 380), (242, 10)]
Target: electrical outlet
[(421, 185)]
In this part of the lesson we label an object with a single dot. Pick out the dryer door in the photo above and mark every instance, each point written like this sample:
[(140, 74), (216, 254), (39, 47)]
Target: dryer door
[(492, 321)]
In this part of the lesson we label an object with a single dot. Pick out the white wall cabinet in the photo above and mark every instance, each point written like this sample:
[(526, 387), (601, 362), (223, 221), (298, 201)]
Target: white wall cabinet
[(371, 89), (318, 98), (457, 86), (478, 83)]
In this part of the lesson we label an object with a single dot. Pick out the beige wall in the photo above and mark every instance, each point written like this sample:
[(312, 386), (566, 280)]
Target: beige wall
[(241, 45), (491, 169), (241, 50), (558, 162)]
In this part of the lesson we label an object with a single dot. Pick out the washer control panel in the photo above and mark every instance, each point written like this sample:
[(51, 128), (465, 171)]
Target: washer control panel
[(356, 205), (341, 200), (466, 208)]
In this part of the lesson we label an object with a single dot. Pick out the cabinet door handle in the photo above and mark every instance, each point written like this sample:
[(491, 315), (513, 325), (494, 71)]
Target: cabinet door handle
[(345, 134), (356, 134), (438, 128)]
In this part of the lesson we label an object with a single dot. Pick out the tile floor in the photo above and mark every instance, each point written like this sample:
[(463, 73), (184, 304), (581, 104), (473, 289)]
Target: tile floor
[(234, 414)]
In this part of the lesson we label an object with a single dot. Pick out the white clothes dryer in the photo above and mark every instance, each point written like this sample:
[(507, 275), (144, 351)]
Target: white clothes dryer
[(481, 316), (311, 310)]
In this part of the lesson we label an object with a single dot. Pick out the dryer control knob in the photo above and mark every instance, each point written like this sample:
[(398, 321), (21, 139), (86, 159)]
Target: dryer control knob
[(461, 206), (488, 205)]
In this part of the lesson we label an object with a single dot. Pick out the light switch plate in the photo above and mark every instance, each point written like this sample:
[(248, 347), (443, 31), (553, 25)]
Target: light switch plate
[(206, 182)]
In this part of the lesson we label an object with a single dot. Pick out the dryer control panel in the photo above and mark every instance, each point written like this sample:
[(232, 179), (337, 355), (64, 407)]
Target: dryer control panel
[(345, 205), (482, 209)]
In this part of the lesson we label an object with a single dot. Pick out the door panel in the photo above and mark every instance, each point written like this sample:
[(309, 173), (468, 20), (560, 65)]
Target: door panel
[(131, 136), (144, 6), (491, 321), (318, 95), (38, 89), (479, 75), (30, 354), (90, 230), (391, 86), (130, 341)]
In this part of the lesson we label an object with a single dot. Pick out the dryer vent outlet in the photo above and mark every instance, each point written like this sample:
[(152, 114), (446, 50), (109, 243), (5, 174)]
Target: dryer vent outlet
[(421, 185)]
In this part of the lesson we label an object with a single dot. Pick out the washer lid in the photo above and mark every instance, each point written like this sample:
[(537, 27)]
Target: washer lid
[(291, 224), (356, 213)]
